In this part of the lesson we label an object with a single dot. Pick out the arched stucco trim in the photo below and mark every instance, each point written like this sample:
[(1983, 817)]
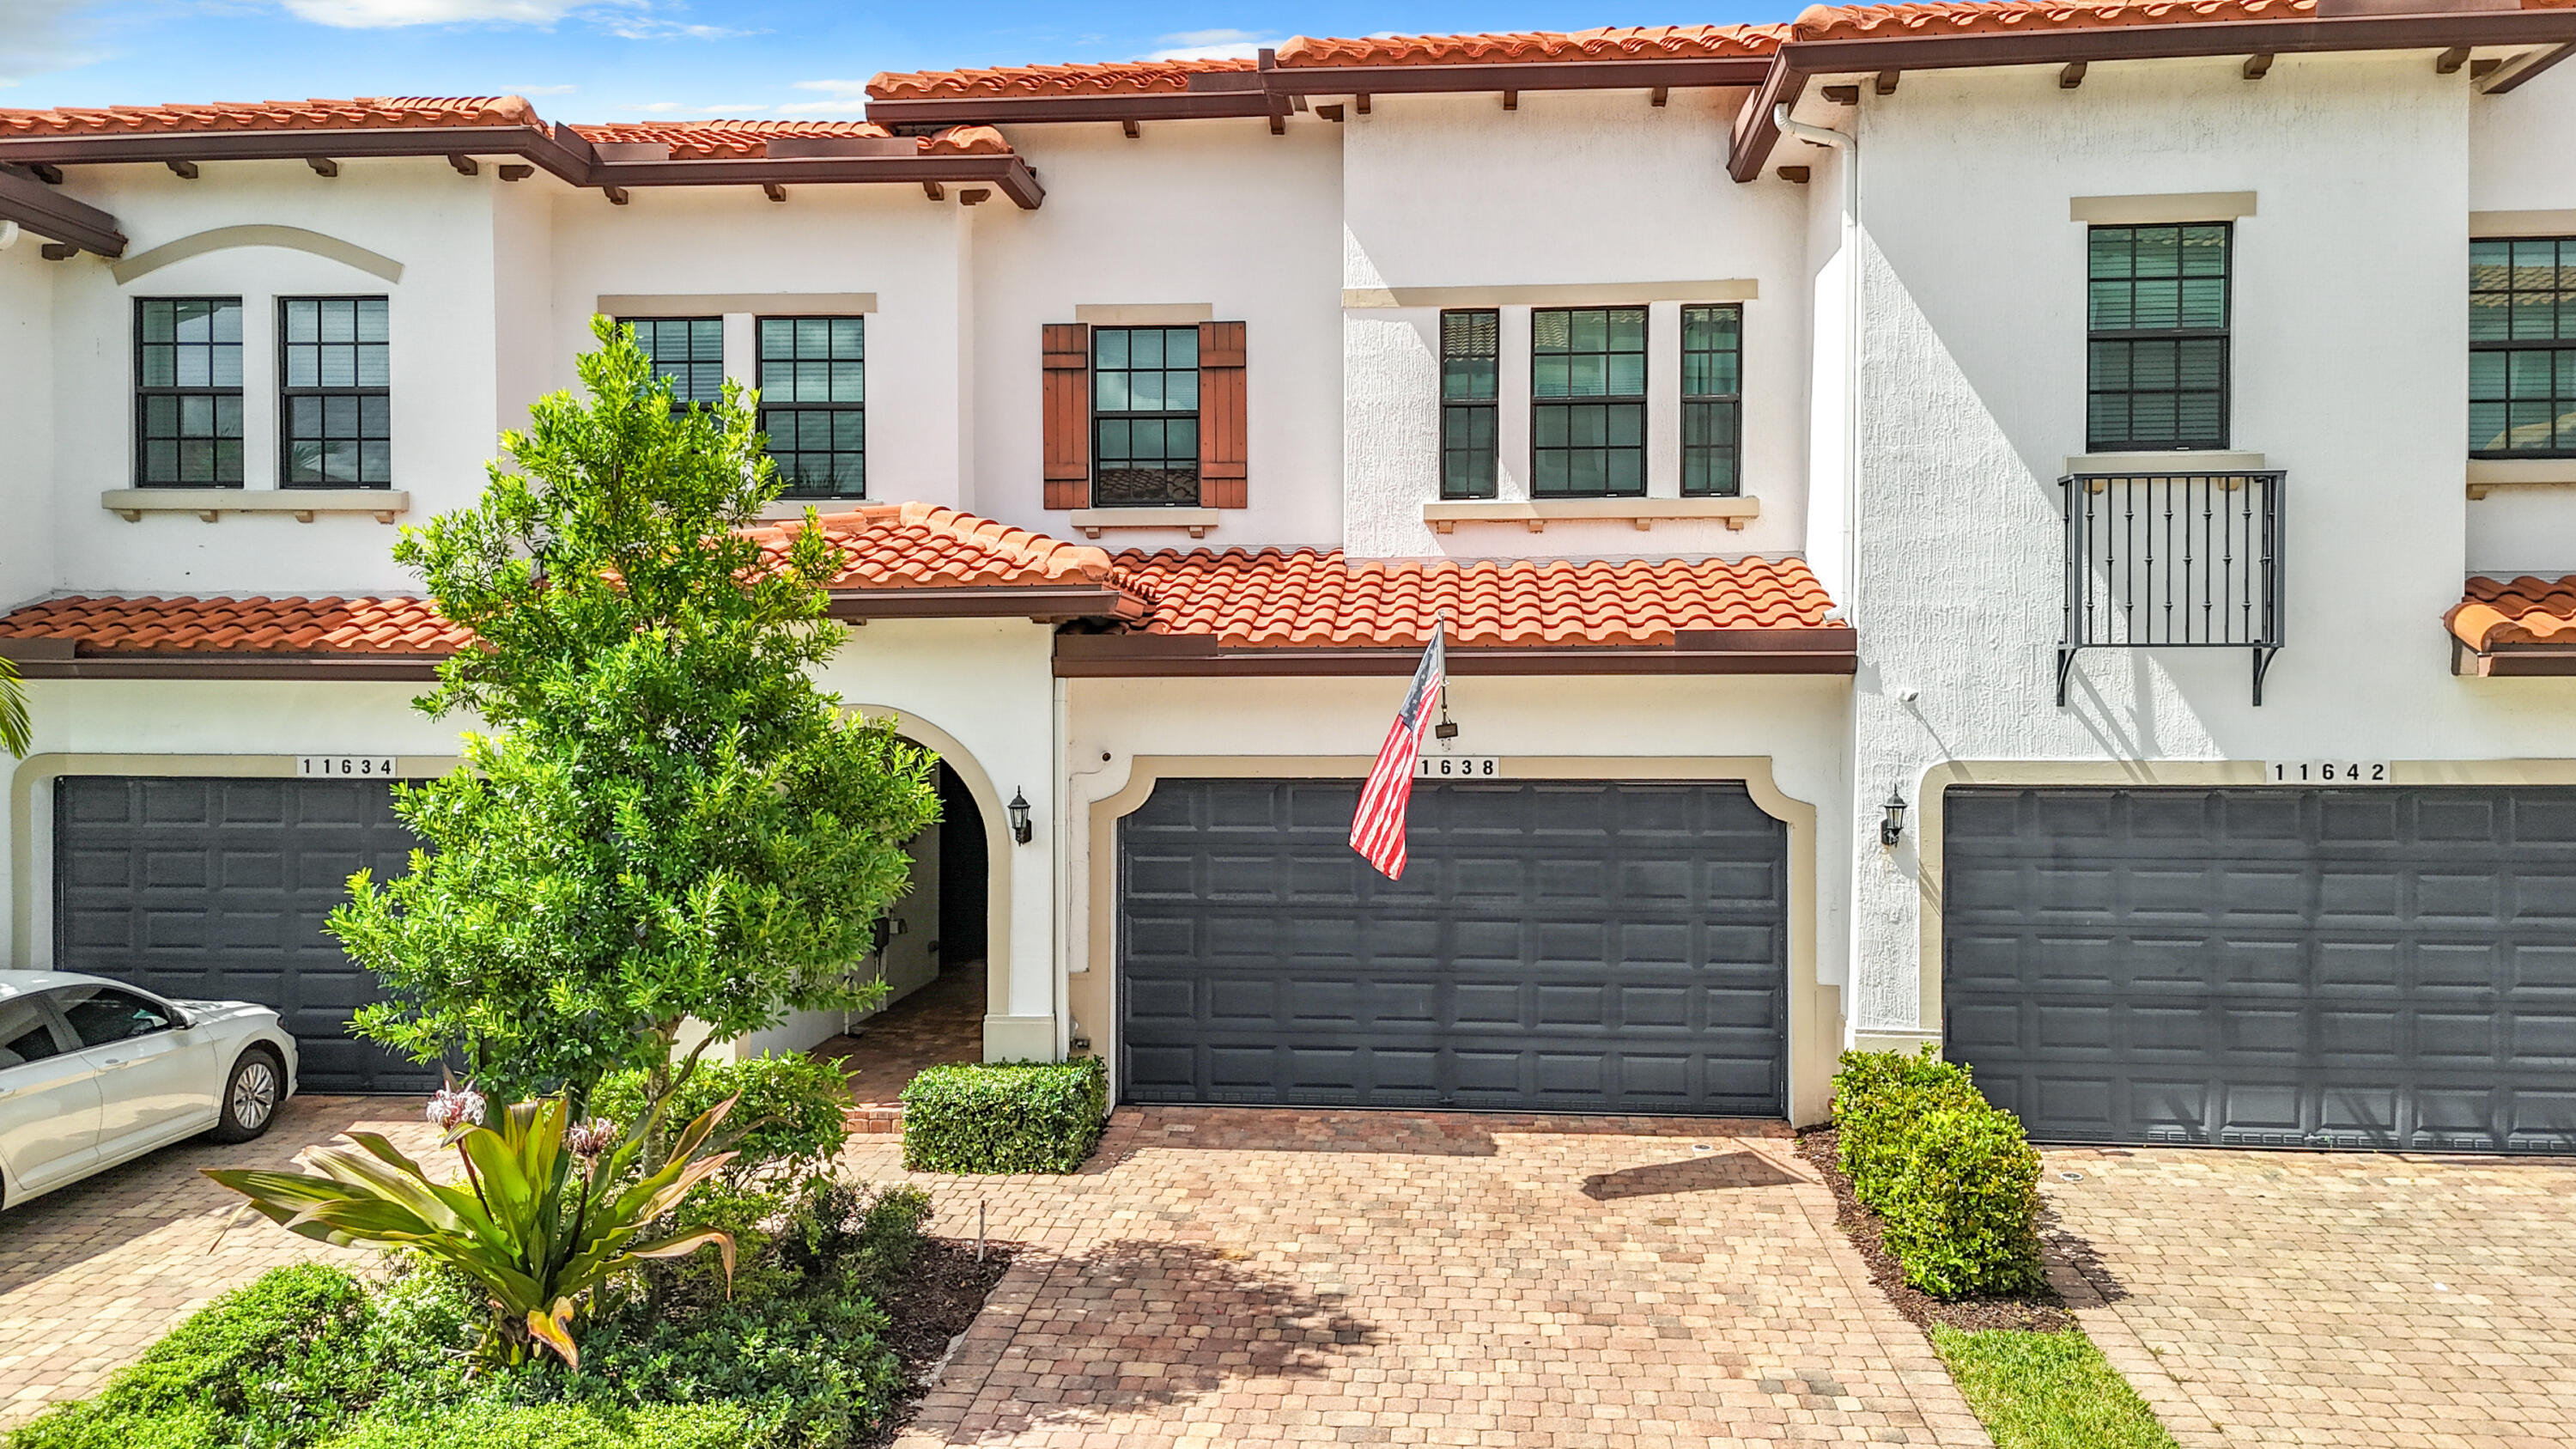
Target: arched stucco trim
[(997, 842), (1814, 1030), (223, 238)]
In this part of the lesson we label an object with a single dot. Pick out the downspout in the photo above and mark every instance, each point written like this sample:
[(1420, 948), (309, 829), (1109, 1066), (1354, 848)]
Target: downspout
[(1849, 145)]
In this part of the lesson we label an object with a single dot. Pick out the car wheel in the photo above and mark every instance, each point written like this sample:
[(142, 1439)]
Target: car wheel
[(251, 1096)]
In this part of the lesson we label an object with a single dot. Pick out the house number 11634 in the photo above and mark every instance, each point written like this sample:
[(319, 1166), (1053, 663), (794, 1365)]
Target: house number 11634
[(2326, 772)]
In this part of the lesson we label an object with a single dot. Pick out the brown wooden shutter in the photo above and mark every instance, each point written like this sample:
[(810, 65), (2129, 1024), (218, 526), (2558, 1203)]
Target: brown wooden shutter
[(1067, 406), (1222, 475)]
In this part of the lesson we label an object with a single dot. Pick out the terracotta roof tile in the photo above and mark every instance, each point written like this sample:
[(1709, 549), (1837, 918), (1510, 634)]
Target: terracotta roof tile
[(1627, 42), (1311, 598), (404, 626), (1112, 78), (711, 140), (2496, 613), (363, 113), (924, 546), (1987, 17)]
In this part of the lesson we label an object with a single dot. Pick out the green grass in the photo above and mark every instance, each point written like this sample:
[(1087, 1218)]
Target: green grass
[(2047, 1391)]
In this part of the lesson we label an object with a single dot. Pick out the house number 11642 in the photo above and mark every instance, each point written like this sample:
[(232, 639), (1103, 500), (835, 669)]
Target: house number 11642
[(2326, 772)]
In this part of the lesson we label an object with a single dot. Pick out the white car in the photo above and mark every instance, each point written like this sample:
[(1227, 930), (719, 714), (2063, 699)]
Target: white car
[(96, 1072)]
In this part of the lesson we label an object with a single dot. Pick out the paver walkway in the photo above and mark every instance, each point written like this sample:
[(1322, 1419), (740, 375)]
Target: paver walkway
[(2358, 1300), (93, 1272), (1238, 1275)]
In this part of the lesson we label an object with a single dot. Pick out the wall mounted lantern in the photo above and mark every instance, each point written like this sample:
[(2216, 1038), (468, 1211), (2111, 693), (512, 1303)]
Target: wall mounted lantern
[(1892, 829), (1019, 808)]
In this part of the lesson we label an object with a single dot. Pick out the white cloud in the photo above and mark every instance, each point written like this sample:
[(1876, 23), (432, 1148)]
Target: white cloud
[(844, 96), (41, 36), (383, 14), (1213, 45), (653, 27)]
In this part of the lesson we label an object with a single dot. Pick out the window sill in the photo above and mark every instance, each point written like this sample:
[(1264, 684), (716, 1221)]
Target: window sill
[(2486, 474), (306, 504), (1093, 522), (787, 508), (1536, 514), (2178, 460)]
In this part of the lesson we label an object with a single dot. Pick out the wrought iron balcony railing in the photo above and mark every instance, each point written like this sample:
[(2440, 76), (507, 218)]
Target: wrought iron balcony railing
[(2172, 560)]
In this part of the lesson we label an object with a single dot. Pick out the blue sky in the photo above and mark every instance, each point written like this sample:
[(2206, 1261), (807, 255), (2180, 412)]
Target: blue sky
[(607, 60)]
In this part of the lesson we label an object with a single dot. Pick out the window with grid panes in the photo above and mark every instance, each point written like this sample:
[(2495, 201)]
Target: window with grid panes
[(687, 350), (1712, 405), (2522, 348), (1588, 402), (2156, 304), (187, 393), (1470, 365), (335, 425), (1144, 416), (813, 403)]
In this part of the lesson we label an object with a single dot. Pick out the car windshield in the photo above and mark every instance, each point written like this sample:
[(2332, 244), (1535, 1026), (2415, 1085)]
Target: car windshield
[(102, 1014), (25, 1035)]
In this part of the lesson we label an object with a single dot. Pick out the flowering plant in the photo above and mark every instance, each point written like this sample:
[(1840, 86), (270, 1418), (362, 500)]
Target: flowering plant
[(536, 1232)]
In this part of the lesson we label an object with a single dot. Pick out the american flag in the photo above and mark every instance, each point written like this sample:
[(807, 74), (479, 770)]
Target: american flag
[(1377, 830)]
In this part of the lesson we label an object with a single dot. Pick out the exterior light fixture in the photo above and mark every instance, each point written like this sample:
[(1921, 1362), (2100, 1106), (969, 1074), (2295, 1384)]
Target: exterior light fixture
[(1019, 808), (1892, 829)]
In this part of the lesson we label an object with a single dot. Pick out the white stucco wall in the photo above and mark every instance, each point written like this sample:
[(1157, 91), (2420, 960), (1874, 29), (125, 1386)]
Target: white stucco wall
[(1220, 213), (1452, 191), (26, 420), (2518, 163), (419, 213), (2350, 373)]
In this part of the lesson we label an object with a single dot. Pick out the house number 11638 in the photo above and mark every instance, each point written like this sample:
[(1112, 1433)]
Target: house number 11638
[(2326, 772)]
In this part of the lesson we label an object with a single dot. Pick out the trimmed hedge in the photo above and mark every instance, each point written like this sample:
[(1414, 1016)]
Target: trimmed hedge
[(1005, 1116), (557, 1426), (793, 1111), (1954, 1179)]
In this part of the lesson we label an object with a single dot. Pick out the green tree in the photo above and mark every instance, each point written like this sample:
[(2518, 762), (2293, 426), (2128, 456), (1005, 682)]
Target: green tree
[(15, 733), (669, 821)]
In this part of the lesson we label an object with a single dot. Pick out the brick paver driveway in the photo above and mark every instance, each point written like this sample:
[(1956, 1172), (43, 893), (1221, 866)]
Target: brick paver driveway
[(2348, 1299), (93, 1272), (1230, 1275)]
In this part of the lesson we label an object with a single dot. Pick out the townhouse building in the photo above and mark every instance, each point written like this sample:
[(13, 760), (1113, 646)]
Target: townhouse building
[(2041, 528)]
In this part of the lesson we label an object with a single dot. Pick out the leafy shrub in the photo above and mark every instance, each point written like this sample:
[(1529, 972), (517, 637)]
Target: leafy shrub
[(1004, 1116), (1878, 1096), (1961, 1216), (869, 1238), (554, 1426), (792, 1114), (1955, 1180), (264, 1365)]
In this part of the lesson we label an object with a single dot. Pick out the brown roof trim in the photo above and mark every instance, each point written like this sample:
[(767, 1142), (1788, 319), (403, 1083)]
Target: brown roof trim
[(561, 152), (1273, 89), (1711, 651), (404, 668), (49, 214), (1801, 60), (987, 603)]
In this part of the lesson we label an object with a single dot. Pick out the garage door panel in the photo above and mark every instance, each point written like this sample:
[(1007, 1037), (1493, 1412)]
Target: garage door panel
[(1574, 946), (2350, 980), (221, 888)]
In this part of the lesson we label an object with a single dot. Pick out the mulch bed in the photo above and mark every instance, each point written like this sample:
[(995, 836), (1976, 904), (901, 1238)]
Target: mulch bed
[(2040, 1312), (926, 1312)]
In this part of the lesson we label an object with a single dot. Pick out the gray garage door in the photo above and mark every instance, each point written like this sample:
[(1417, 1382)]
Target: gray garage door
[(1563, 947), (218, 888), (2334, 968)]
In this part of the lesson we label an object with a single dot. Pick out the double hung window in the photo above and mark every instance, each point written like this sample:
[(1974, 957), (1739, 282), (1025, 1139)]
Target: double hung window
[(1144, 416), (2157, 306), (1712, 400), (813, 403), (1588, 402), (2522, 348), (1470, 367), (188, 393), (333, 373), (687, 350)]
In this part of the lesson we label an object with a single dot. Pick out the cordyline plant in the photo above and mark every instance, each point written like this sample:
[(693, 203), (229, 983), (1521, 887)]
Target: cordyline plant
[(670, 822), (546, 1211)]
